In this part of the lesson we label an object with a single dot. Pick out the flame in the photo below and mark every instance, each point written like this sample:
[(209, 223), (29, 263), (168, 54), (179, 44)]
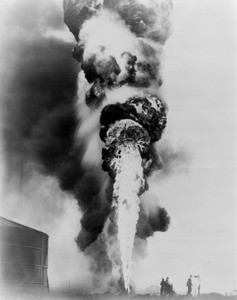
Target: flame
[(128, 181), (119, 47)]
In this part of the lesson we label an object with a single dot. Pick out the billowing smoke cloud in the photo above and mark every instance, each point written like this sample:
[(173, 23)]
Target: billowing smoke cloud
[(52, 116), (119, 46), (39, 112), (39, 124), (39, 119), (39, 83), (157, 220)]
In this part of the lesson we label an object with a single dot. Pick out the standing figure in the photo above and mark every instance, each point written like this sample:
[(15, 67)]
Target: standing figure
[(197, 284), (189, 285), (162, 287), (168, 291)]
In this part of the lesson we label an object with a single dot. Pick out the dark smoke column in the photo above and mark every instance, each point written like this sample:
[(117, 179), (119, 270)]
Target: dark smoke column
[(119, 44)]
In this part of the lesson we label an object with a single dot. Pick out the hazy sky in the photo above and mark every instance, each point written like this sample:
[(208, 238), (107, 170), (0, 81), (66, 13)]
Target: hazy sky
[(200, 88)]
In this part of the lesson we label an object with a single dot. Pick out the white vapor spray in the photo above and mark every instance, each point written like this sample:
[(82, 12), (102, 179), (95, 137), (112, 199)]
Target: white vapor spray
[(119, 46)]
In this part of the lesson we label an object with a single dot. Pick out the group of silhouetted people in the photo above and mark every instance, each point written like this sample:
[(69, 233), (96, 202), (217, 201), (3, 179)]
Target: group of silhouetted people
[(166, 286)]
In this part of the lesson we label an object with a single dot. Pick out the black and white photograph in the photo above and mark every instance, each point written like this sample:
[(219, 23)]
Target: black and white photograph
[(118, 149)]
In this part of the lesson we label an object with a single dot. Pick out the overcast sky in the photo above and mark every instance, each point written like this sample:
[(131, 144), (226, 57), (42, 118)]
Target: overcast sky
[(200, 88)]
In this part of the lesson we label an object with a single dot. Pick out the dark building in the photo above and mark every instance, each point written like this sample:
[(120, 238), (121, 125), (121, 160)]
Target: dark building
[(23, 259)]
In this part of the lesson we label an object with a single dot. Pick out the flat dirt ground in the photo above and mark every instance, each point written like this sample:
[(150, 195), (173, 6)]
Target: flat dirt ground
[(211, 296)]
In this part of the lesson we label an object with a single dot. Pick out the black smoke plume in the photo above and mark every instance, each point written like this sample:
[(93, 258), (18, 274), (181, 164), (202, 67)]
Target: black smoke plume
[(40, 118), (137, 121), (158, 220)]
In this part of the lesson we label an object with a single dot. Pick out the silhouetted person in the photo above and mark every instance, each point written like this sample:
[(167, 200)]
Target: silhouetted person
[(168, 287), (199, 289), (189, 285), (170, 283), (162, 287)]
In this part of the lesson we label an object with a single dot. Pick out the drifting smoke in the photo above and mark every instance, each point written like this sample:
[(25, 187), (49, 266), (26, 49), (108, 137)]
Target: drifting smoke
[(119, 115), (119, 46)]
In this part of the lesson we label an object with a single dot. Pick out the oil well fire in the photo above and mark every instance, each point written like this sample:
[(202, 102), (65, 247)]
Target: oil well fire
[(106, 146), (119, 47)]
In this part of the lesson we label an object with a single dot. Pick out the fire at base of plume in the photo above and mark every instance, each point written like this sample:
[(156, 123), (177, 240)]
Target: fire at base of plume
[(119, 44)]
